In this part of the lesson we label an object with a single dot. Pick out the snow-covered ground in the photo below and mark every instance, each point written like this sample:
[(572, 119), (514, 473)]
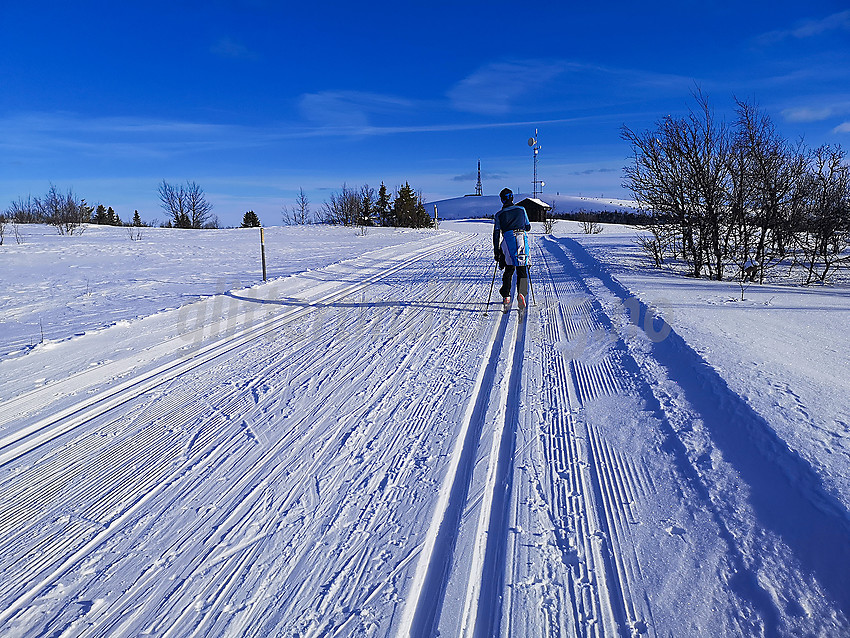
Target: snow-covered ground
[(360, 446)]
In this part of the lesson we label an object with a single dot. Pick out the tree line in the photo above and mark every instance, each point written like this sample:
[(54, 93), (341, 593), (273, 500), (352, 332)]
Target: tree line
[(739, 197), (364, 207), (63, 210), (187, 206)]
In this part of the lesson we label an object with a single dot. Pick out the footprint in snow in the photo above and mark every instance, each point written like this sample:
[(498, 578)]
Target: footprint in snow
[(675, 530)]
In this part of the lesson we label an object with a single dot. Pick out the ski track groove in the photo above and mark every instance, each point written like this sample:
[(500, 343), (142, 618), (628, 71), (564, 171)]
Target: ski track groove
[(30, 437), (588, 489), (197, 442)]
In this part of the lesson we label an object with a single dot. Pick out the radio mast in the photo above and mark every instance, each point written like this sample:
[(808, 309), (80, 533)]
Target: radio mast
[(536, 183)]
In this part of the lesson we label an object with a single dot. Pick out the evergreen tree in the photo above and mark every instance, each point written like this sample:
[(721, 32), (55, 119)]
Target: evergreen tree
[(367, 206), (112, 217), (409, 209), (250, 220), (384, 208), (137, 220), (100, 216)]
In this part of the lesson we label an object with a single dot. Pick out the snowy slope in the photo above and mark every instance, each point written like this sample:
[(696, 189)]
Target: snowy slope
[(362, 447), (478, 207), (54, 287)]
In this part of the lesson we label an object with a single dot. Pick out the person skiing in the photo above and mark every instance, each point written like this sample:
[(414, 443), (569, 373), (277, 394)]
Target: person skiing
[(510, 248)]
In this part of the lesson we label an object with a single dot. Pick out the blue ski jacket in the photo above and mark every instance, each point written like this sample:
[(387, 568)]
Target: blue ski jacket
[(512, 223)]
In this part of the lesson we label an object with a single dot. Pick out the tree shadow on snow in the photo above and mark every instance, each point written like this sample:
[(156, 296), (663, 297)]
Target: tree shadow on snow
[(786, 494)]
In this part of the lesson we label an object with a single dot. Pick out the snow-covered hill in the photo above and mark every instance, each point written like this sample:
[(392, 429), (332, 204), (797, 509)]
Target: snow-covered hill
[(363, 446), (478, 207)]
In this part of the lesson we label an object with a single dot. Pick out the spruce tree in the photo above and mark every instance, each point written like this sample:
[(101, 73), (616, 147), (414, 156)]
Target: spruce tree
[(409, 209), (250, 220), (367, 206), (100, 216), (137, 220), (384, 208)]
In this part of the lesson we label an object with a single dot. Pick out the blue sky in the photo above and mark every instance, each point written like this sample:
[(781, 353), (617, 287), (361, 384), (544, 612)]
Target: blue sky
[(254, 99)]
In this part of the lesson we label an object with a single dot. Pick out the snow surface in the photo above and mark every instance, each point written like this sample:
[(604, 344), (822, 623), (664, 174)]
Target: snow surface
[(362, 447)]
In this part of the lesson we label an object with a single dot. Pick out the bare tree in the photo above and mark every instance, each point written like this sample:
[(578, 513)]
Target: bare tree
[(659, 239), (343, 208), (186, 205), (766, 198), (63, 211), (681, 169), (299, 214), (657, 180), (173, 201), (589, 223), (199, 208), (549, 220), (302, 208), (707, 149), (826, 237), (25, 211)]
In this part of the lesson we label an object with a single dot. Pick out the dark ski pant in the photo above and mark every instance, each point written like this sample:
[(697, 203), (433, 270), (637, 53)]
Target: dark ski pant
[(521, 281)]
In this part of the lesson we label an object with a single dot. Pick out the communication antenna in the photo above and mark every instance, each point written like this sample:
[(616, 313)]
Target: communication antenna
[(479, 190), (536, 183)]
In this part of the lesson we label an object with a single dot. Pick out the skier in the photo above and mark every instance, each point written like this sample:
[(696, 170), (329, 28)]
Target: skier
[(510, 248)]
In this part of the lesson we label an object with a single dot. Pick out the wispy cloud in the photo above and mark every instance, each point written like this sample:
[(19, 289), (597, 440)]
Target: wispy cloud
[(818, 108), (369, 130), (46, 134), (229, 48), (807, 114), (472, 176), (492, 89), (842, 128), (593, 171), (810, 28), (349, 109), (505, 87)]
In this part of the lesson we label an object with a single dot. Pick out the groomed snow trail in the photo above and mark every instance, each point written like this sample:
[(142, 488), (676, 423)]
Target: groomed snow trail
[(372, 455)]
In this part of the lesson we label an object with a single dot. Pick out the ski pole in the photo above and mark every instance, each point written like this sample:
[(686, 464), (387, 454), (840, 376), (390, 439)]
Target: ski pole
[(531, 286), (490, 296)]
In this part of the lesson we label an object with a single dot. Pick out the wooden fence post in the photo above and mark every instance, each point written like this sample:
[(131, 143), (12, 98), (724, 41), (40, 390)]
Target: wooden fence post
[(263, 251)]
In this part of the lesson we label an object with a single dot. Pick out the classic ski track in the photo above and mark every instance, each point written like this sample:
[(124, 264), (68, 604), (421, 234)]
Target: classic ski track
[(590, 488), (481, 613), (774, 574), (421, 614), (612, 484), (23, 440), (200, 452), (590, 491)]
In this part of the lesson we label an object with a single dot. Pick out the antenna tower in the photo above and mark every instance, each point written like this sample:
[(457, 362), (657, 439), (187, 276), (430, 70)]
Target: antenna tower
[(478, 189), (536, 183)]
